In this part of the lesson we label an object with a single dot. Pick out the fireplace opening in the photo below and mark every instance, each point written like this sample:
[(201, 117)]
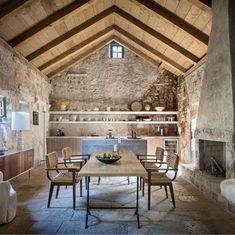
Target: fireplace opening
[(212, 157)]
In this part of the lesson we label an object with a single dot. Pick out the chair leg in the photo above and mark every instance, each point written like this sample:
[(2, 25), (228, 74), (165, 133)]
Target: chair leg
[(57, 191), (166, 191), (128, 179), (99, 180), (81, 188), (141, 181), (149, 195), (74, 196), (50, 195), (172, 194)]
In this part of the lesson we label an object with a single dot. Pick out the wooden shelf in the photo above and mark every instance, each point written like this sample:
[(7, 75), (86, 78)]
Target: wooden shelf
[(116, 122), (115, 112)]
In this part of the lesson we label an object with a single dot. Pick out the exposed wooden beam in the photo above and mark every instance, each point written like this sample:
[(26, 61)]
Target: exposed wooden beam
[(11, 6), (156, 34), (161, 56), (80, 57), (192, 69), (70, 34), (72, 50), (136, 51), (99, 17), (173, 18), (47, 22)]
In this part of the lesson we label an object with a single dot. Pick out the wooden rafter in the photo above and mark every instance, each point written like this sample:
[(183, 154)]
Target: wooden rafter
[(99, 17), (80, 57), (115, 37), (156, 34), (11, 6), (136, 51), (173, 18), (70, 34), (161, 56), (47, 21), (72, 50)]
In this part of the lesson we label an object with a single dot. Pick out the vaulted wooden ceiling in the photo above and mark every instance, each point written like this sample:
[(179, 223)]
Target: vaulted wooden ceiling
[(55, 34)]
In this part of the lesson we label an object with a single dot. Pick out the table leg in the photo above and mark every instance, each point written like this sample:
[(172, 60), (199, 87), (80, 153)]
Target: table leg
[(87, 201), (137, 201)]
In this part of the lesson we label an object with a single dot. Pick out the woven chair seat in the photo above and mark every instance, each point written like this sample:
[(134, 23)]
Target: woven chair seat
[(150, 165), (158, 178), (65, 178)]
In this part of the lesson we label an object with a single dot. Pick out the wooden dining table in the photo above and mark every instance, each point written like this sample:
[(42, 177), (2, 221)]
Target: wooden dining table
[(128, 165)]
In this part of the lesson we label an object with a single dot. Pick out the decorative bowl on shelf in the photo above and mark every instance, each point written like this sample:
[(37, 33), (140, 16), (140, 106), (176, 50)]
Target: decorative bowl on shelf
[(159, 108), (108, 158)]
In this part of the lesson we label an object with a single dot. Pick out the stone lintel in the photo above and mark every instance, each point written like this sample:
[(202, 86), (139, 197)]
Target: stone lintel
[(215, 135)]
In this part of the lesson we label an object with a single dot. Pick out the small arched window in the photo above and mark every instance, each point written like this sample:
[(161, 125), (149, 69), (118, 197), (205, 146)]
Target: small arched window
[(116, 50)]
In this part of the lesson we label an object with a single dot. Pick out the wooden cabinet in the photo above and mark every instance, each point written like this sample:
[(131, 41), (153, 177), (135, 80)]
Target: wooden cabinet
[(58, 143), (13, 164)]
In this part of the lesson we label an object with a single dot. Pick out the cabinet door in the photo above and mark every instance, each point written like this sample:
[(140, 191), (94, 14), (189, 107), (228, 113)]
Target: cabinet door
[(28, 159), (11, 166), (153, 144), (171, 146), (2, 164)]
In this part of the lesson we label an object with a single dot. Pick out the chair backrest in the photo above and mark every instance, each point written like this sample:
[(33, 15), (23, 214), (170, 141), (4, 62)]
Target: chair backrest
[(172, 161), (159, 153), (52, 160), (67, 153)]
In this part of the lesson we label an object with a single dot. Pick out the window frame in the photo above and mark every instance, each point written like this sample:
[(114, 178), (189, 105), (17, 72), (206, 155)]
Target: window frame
[(119, 50)]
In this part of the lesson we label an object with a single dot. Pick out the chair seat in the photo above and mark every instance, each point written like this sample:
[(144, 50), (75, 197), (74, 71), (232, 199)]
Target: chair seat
[(65, 178), (150, 165), (158, 178)]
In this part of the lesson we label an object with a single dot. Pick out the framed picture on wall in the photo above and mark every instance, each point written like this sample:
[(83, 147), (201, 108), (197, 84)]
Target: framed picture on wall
[(35, 118)]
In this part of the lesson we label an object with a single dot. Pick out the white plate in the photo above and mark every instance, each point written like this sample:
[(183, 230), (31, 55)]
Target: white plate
[(147, 119)]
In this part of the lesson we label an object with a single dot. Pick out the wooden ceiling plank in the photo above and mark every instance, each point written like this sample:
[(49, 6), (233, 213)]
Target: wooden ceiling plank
[(201, 36), (204, 5), (11, 6), (150, 49), (156, 34), (100, 16), (47, 22), (80, 57), (137, 51), (69, 34), (75, 48)]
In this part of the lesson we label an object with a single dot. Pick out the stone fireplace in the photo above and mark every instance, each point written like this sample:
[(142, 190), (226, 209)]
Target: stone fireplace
[(213, 136), (212, 158)]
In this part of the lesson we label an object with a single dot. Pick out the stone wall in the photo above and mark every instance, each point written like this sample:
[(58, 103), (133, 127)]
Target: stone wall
[(188, 101), (104, 82), (20, 81)]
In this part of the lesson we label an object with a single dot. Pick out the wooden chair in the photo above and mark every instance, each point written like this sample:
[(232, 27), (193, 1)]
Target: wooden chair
[(158, 176), (68, 177), (151, 161), (75, 160)]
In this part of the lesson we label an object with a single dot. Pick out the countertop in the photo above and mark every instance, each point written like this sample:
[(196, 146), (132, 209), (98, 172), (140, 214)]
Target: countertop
[(13, 151), (121, 137)]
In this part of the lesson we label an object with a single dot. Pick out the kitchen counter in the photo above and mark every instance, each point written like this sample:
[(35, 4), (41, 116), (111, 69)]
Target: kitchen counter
[(121, 137)]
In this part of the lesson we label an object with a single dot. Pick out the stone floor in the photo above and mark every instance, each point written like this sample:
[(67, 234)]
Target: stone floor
[(194, 213)]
